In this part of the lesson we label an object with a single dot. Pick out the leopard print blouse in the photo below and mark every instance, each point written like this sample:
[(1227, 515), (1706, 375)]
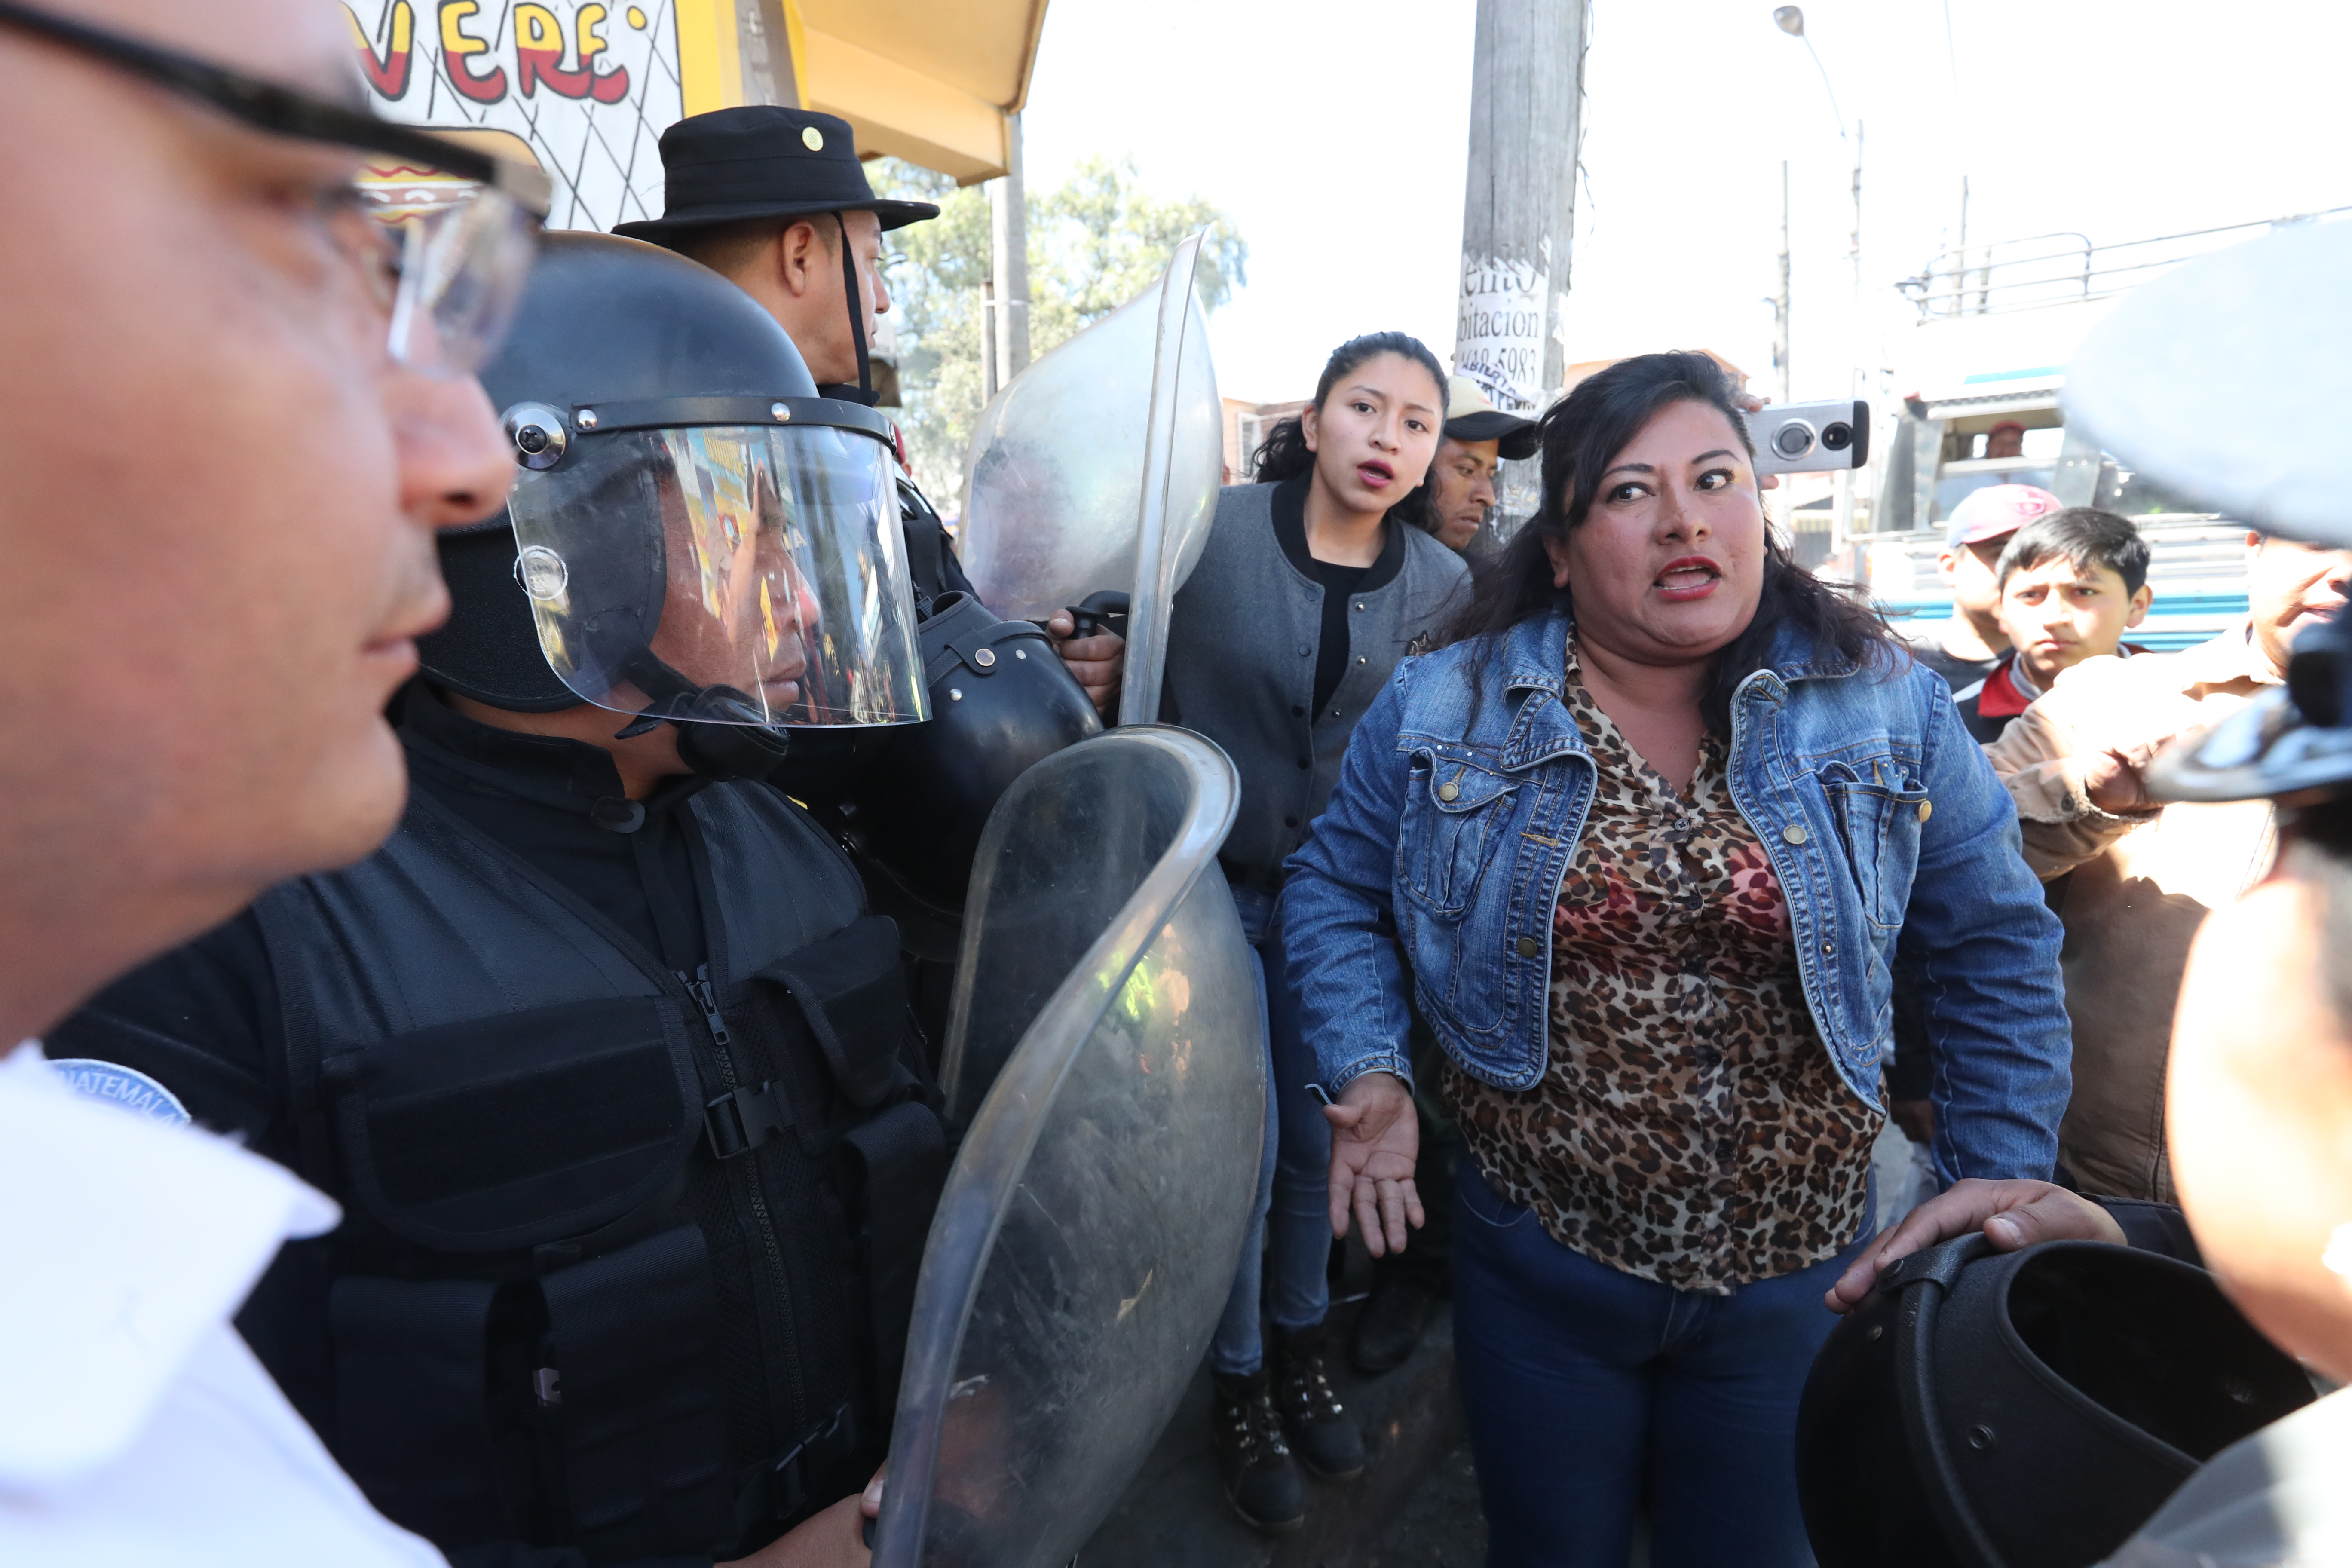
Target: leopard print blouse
[(1690, 1128)]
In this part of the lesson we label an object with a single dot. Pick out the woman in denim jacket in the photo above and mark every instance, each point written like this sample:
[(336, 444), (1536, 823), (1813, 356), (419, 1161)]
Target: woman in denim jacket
[(1654, 834)]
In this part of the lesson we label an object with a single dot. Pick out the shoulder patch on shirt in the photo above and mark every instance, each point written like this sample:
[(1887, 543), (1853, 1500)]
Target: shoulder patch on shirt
[(132, 1090)]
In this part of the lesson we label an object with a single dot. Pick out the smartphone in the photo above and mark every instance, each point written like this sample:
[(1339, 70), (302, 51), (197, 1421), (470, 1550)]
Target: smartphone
[(1811, 438)]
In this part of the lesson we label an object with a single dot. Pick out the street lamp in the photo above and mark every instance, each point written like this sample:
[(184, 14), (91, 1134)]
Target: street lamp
[(1790, 20)]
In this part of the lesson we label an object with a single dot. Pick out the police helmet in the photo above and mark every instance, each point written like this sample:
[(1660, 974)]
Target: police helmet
[(2023, 1410), (695, 537)]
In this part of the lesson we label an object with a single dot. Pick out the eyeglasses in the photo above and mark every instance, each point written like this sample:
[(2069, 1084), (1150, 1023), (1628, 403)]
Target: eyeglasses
[(456, 270)]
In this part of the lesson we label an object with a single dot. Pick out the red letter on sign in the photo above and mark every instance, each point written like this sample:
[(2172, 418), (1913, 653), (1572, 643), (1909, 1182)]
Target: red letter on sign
[(539, 55), (388, 76), (455, 45), (613, 85)]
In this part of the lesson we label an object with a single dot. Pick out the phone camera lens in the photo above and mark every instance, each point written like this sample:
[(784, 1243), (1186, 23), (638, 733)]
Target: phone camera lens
[(1793, 439), (1838, 438)]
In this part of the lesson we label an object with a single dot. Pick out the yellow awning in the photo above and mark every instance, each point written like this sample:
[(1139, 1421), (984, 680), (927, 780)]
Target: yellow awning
[(927, 81)]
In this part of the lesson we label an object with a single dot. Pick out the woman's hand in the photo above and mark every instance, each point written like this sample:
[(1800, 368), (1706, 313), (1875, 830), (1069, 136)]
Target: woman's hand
[(1375, 1139), (2010, 1213), (833, 1538)]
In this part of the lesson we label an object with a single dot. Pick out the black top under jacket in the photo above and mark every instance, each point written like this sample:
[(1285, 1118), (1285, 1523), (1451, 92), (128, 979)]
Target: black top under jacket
[(1331, 641), (633, 1137)]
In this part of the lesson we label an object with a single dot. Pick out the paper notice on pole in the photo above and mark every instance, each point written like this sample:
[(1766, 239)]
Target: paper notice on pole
[(1499, 340)]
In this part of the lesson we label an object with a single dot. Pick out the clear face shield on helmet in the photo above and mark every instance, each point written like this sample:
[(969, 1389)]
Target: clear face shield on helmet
[(718, 572)]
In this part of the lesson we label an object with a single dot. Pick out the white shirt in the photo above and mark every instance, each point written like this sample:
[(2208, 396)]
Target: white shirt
[(135, 1426)]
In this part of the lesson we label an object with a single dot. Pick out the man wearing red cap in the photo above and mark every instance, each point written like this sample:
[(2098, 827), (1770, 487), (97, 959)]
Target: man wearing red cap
[(1972, 641)]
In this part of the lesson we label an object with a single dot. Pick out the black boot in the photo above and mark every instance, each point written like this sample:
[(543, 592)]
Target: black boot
[(1391, 1325), (1261, 1478), (1328, 1444)]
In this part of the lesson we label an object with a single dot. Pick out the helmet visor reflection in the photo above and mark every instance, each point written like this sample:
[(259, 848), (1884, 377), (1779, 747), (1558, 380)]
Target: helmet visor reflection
[(763, 566)]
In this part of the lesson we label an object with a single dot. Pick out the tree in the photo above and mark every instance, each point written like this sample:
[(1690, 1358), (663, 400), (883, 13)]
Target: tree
[(1094, 244)]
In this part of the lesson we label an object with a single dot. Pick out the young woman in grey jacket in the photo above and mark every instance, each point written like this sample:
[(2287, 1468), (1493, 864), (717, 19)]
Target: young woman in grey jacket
[(1310, 589)]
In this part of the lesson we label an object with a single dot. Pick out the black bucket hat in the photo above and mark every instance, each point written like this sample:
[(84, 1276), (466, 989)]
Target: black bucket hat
[(764, 161)]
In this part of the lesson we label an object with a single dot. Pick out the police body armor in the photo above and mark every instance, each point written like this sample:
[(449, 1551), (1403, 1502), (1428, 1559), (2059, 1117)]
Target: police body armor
[(629, 1253)]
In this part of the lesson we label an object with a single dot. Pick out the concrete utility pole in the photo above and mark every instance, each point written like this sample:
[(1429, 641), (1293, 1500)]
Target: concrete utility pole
[(1519, 205), (989, 379), (1781, 301), (1841, 507), (1518, 211), (1008, 222)]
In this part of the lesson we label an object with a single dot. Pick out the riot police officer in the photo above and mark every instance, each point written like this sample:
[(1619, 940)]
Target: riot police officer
[(608, 1065), (776, 199)]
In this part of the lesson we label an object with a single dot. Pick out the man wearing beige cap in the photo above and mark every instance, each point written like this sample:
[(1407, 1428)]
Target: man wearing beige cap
[(1479, 436), (1970, 644)]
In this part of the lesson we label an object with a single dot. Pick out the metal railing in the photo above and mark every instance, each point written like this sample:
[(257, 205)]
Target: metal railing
[(2065, 267)]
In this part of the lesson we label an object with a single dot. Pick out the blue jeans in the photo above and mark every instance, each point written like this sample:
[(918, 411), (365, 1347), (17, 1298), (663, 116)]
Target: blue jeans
[(1590, 1392), (1290, 1233)]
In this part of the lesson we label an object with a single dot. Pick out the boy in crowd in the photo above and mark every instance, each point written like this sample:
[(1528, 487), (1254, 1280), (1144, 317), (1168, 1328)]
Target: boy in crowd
[(2071, 584), (1969, 646)]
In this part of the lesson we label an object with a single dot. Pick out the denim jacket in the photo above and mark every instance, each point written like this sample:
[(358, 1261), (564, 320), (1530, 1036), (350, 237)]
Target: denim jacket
[(1893, 842)]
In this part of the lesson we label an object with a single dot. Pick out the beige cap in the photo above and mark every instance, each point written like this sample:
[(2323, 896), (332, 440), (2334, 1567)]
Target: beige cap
[(1470, 416)]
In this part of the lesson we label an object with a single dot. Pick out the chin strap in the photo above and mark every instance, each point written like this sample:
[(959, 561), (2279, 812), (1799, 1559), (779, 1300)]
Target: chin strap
[(851, 293), (723, 751), (720, 734)]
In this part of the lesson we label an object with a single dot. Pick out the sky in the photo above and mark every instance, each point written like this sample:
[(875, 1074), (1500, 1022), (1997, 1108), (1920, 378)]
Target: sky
[(1335, 134)]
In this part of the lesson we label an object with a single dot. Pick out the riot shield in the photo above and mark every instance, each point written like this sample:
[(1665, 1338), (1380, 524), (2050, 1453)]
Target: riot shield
[(1098, 468), (1103, 1058)]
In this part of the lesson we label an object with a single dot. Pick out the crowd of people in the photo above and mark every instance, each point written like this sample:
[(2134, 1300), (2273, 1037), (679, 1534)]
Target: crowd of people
[(568, 1126)]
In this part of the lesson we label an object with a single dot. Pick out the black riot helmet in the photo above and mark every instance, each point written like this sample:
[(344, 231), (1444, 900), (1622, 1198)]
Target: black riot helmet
[(695, 536), (2023, 1410)]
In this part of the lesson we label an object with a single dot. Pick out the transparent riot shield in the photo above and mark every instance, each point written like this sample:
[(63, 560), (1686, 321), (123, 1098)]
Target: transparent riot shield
[(1098, 468), (1103, 1059)]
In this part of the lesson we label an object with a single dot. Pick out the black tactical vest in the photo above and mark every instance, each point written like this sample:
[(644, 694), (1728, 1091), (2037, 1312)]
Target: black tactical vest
[(628, 1253)]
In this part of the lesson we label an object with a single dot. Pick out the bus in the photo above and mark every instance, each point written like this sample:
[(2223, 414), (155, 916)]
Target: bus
[(1979, 375)]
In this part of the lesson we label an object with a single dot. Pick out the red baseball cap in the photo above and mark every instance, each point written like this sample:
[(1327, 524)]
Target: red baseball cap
[(1996, 511)]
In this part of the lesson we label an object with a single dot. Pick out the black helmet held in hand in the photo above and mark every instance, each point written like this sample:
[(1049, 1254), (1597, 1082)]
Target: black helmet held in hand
[(2023, 1410), (695, 537)]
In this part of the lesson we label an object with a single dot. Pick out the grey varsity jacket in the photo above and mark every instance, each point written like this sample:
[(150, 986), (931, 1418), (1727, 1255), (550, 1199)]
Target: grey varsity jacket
[(1241, 666)]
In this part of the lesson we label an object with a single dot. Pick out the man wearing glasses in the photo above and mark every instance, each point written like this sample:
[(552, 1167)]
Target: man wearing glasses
[(235, 409)]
